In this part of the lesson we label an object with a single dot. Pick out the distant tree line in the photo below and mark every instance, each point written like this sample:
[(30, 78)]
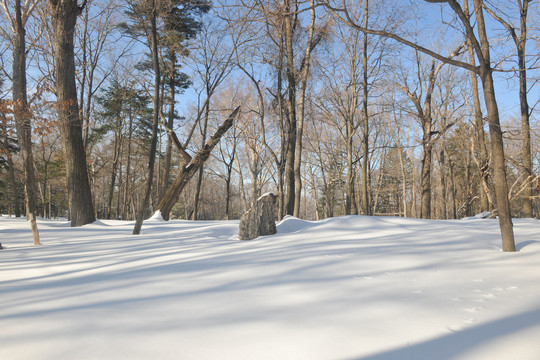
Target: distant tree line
[(117, 109)]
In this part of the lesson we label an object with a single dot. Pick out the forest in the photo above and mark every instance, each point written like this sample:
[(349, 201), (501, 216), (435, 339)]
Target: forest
[(411, 108)]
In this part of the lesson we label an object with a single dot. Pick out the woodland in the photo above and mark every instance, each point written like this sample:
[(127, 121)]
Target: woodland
[(410, 108)]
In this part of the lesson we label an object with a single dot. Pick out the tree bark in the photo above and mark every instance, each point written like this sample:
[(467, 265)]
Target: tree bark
[(64, 15)]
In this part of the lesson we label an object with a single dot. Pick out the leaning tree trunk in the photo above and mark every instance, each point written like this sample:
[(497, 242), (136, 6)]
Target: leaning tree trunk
[(64, 15), (187, 171)]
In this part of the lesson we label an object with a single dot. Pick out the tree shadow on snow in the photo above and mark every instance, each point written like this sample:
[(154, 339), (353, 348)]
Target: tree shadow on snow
[(457, 344)]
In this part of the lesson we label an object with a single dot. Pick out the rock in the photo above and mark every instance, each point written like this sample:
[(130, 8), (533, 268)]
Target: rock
[(260, 220)]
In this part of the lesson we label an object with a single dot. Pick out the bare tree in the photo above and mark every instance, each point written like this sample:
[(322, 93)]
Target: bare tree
[(20, 106), (212, 65), (483, 159), (423, 109), (64, 15), (520, 40), (482, 49), (153, 41)]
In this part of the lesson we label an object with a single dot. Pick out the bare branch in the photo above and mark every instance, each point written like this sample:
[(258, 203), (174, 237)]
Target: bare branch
[(348, 20)]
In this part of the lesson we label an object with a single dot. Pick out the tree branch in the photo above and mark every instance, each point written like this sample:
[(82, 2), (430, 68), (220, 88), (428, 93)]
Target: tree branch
[(348, 20)]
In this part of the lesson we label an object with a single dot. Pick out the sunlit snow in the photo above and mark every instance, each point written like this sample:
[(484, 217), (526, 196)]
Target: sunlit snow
[(366, 288)]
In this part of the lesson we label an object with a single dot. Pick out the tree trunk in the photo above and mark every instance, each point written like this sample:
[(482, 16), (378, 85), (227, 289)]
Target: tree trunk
[(153, 144), (483, 162), (291, 111), (127, 188), (499, 164), (12, 191), (425, 184), (301, 111), (495, 131), (524, 109), (201, 169), (442, 162), (452, 201), (170, 124), (365, 140), (228, 191), (349, 194), (280, 164), (22, 120), (116, 157), (64, 15)]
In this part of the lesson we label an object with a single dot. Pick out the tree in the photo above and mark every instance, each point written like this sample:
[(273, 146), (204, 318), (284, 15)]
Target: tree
[(424, 114), (180, 25), (96, 37), (21, 109), (482, 50), (178, 18), (64, 15), (520, 41), (151, 12), (8, 146), (212, 60), (482, 159)]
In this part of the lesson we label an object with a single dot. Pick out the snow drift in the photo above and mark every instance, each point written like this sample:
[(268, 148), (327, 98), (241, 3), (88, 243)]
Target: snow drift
[(353, 287)]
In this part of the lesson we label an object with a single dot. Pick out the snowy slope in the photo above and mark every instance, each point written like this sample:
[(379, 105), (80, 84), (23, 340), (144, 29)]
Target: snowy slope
[(353, 287)]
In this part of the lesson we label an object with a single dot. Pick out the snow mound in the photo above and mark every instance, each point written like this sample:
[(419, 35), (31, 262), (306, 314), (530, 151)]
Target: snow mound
[(291, 224), (351, 287), (156, 217)]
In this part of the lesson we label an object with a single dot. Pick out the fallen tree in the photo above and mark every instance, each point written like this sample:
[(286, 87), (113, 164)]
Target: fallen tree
[(190, 166)]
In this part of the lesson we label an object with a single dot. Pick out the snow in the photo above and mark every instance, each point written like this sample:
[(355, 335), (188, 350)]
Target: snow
[(366, 288), (156, 217)]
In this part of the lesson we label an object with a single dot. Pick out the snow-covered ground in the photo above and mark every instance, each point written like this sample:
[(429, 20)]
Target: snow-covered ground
[(353, 287)]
